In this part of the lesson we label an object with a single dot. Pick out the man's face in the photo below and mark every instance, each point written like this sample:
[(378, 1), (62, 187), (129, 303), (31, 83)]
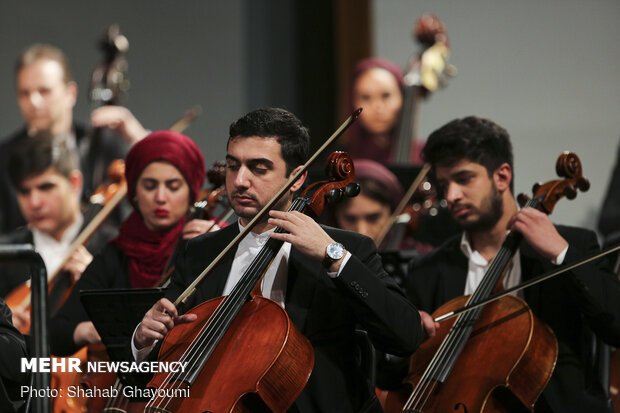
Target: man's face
[(49, 201), (363, 215), (255, 172), (472, 195), (45, 100)]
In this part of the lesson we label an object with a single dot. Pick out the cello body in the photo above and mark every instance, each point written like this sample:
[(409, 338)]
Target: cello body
[(509, 355), (262, 363)]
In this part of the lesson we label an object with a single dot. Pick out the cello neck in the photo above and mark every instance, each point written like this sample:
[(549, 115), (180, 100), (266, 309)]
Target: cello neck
[(500, 262)]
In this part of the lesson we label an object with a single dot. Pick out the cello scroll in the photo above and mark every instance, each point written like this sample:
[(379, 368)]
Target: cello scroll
[(568, 166), (341, 174)]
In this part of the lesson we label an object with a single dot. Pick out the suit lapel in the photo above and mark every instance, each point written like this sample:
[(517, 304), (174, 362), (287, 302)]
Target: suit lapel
[(454, 274), (300, 287), (214, 283)]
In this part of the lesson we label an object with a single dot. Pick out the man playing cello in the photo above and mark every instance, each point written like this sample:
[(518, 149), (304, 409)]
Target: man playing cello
[(472, 159), (325, 296)]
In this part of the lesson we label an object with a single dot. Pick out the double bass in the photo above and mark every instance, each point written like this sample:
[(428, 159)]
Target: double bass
[(494, 356), (427, 71)]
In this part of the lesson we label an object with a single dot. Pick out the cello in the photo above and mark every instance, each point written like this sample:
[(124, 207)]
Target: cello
[(206, 372), (494, 357), (277, 359)]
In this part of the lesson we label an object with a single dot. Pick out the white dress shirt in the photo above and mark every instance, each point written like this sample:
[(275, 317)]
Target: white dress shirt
[(273, 284), (478, 265), (53, 252)]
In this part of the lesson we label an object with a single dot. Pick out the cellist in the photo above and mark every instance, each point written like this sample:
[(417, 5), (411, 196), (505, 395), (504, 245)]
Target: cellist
[(48, 184), (473, 161), (328, 280)]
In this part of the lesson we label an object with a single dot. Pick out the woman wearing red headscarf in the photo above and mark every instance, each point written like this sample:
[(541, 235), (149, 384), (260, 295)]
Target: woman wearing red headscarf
[(377, 87), (164, 174)]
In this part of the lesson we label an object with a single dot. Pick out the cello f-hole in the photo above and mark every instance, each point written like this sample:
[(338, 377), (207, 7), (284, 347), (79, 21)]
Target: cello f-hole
[(458, 405)]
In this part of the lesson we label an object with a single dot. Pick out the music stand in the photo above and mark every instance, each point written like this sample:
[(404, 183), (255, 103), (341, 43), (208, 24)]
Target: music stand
[(116, 313)]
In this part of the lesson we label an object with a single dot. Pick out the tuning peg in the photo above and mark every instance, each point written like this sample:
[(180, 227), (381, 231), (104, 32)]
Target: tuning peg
[(334, 195), (583, 184), (522, 199), (352, 189), (535, 187), (570, 191)]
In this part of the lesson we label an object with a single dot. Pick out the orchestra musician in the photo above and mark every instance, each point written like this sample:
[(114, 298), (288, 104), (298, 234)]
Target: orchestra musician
[(165, 172), (46, 95), (48, 183), (370, 210), (377, 87), (473, 161), (325, 296)]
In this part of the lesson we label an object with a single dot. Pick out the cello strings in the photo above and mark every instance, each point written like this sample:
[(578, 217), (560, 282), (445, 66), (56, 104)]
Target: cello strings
[(247, 281), (461, 329), (113, 401), (224, 314)]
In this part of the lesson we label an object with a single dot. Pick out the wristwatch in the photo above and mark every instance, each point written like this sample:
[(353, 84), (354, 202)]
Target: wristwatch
[(333, 252)]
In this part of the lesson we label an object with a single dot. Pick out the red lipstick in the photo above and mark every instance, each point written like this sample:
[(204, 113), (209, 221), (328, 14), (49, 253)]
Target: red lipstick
[(161, 212)]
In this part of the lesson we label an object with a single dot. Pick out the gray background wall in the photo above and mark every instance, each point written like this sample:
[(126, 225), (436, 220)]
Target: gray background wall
[(547, 71)]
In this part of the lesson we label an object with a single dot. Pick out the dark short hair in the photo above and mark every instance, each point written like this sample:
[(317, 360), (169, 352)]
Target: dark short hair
[(471, 138), (44, 51), (33, 156), (281, 124)]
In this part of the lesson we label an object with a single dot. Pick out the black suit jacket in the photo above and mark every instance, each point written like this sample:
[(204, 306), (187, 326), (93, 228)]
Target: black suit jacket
[(326, 311), (609, 219), (586, 298)]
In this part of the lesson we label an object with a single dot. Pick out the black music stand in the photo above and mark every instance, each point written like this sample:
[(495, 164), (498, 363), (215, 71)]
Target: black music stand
[(116, 313)]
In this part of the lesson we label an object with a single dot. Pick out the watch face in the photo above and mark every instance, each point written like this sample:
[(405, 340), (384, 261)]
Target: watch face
[(335, 251)]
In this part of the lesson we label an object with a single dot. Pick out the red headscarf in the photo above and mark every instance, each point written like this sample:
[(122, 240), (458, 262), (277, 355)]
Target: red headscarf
[(149, 250)]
